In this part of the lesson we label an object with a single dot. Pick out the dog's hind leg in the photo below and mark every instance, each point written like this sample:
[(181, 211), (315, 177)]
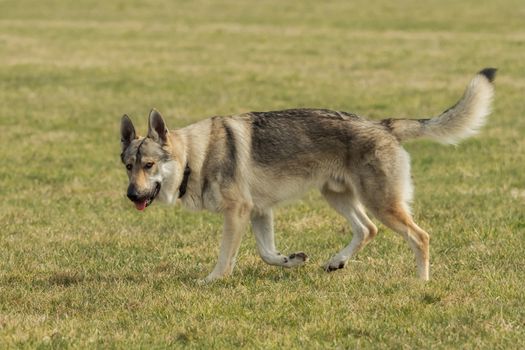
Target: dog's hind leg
[(399, 220), (385, 188), (262, 225), (363, 230)]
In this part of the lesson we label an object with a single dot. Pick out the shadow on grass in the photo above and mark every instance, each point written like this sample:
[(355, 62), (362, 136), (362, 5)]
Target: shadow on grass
[(71, 278), (64, 278)]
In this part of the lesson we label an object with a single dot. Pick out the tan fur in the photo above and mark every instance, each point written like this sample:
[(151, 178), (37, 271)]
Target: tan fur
[(244, 165)]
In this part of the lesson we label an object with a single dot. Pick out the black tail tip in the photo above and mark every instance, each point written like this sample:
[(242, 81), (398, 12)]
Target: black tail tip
[(489, 73)]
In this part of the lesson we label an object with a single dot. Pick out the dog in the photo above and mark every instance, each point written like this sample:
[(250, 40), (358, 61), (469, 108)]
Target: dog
[(244, 165)]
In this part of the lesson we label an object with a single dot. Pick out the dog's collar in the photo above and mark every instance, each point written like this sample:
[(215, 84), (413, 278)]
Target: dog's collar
[(184, 183)]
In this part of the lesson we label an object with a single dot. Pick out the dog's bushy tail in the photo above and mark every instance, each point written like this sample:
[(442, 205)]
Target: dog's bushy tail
[(458, 122)]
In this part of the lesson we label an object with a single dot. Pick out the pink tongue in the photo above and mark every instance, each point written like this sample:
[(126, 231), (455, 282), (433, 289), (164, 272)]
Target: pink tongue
[(140, 205)]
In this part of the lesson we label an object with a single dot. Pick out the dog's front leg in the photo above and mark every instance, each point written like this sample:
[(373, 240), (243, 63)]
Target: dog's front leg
[(262, 225), (235, 220)]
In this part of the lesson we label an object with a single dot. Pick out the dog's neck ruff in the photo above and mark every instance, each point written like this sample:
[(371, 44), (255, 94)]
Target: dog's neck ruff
[(184, 183)]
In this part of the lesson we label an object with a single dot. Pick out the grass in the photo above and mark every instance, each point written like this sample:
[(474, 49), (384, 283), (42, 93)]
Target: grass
[(81, 268)]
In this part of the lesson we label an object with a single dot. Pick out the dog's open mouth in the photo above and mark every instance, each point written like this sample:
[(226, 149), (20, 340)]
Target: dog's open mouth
[(142, 204)]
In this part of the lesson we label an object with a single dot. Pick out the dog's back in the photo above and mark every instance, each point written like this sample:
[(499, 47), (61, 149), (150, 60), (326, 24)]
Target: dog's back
[(299, 141)]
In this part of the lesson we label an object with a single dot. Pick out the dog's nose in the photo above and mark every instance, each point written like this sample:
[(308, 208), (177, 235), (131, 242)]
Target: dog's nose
[(132, 193)]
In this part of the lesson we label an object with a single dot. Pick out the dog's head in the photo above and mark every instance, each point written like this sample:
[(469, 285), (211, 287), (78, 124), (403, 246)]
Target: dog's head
[(152, 167)]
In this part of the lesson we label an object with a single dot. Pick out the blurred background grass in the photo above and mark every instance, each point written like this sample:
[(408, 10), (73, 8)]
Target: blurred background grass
[(80, 267)]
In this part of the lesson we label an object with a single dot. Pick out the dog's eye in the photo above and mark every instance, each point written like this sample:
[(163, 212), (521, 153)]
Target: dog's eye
[(129, 166), (148, 165)]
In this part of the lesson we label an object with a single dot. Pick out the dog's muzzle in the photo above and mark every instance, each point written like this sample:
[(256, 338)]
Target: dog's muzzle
[(142, 201)]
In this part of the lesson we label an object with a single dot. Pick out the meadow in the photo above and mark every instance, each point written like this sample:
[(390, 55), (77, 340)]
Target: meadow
[(81, 268)]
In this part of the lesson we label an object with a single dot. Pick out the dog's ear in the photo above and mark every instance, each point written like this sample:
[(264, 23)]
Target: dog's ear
[(157, 130), (127, 132)]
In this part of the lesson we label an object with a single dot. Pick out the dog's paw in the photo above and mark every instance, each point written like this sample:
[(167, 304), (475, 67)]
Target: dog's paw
[(202, 282), (212, 277), (295, 259), (334, 265)]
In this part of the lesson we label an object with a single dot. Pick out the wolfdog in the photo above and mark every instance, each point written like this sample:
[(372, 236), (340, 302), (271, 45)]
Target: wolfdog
[(243, 165)]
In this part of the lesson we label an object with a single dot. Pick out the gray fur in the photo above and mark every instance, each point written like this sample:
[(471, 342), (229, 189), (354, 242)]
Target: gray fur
[(220, 159), (230, 163), (301, 140), (134, 153)]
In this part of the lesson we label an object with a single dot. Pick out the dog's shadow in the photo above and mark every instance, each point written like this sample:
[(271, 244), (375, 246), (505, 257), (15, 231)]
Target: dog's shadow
[(168, 274)]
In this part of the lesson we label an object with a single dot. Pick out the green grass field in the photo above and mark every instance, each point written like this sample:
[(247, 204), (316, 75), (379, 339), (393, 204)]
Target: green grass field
[(81, 268)]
